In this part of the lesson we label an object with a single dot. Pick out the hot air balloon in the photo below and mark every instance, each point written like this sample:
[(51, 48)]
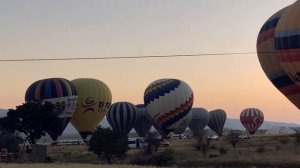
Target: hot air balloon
[(200, 119), (159, 130), (59, 92), (143, 122), (252, 118), (168, 101), (94, 100), (287, 41), (268, 59), (122, 116), (217, 120), (184, 124)]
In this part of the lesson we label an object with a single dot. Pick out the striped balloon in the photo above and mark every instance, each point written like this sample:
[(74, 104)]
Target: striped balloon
[(251, 118), (184, 124), (122, 116), (200, 118), (168, 101), (49, 89), (287, 41), (143, 122), (217, 120), (269, 62), (59, 92)]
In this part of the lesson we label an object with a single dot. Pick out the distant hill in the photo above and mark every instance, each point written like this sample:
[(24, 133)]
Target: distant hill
[(236, 124), (3, 112)]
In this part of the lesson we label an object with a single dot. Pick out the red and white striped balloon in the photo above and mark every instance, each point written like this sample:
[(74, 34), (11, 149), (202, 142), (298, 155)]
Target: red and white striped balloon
[(252, 118)]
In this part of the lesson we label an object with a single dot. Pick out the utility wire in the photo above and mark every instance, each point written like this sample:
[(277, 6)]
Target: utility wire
[(130, 57)]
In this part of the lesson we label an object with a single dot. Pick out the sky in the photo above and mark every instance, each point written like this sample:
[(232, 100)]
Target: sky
[(99, 28)]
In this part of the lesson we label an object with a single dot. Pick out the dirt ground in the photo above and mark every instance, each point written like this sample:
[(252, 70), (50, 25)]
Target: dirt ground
[(260, 151)]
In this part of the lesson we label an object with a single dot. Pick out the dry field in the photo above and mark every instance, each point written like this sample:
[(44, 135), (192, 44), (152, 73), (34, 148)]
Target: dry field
[(68, 165), (263, 151)]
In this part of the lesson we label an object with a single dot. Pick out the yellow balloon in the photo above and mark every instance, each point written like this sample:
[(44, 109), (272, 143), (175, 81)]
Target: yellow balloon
[(94, 100)]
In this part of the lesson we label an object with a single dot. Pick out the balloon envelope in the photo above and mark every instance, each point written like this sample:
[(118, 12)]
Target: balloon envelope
[(159, 130), (94, 100), (217, 119), (287, 41), (59, 92), (122, 116), (168, 101), (200, 119), (184, 124), (143, 122), (252, 118), (268, 58)]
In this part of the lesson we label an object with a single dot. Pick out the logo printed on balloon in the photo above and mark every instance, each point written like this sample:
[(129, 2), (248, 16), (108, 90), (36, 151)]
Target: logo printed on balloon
[(64, 106), (90, 105)]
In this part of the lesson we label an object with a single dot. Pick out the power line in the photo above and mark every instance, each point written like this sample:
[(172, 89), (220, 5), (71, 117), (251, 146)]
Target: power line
[(130, 57)]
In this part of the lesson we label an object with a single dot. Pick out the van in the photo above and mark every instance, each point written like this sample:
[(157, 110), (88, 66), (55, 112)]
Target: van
[(163, 143), (178, 136), (68, 142), (134, 143)]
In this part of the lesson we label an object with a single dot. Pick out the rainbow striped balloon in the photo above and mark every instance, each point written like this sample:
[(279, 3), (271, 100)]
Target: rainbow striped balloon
[(287, 41), (59, 92), (168, 101), (268, 59)]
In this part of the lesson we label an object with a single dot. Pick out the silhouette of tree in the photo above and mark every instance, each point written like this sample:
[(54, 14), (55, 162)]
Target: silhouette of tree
[(108, 143), (33, 119), (10, 141)]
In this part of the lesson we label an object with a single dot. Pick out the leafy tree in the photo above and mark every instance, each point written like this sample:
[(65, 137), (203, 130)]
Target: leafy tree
[(153, 140), (233, 137), (10, 141), (108, 143), (33, 119), (202, 142)]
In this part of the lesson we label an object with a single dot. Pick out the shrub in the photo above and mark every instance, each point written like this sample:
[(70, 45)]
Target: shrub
[(165, 158), (49, 159), (213, 155), (284, 140), (201, 146), (260, 149), (212, 147), (277, 147), (141, 160), (223, 150)]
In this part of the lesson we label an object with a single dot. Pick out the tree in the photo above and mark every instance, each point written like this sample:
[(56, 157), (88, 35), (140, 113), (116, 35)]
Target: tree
[(33, 119), (10, 141), (233, 137), (202, 142), (108, 143), (153, 140)]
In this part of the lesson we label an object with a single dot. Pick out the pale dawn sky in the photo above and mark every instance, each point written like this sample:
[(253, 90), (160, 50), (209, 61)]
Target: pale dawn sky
[(100, 28)]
